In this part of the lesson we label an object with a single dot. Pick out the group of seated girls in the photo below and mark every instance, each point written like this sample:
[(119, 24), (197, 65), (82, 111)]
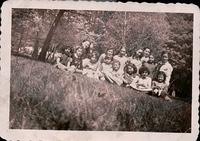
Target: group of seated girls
[(139, 71)]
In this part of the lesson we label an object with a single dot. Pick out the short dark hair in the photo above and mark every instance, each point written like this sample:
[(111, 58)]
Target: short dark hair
[(67, 47), (96, 53), (85, 40), (153, 57), (108, 58), (110, 49), (147, 48), (161, 73), (135, 52), (164, 52), (132, 65), (142, 69), (78, 47)]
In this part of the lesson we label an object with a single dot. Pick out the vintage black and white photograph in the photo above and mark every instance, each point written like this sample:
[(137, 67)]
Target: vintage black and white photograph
[(101, 70)]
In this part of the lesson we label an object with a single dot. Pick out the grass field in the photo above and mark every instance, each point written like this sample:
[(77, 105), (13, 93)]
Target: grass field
[(43, 97)]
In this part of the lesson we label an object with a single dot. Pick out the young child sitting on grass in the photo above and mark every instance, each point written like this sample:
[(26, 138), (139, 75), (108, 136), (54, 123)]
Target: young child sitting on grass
[(146, 53), (150, 64), (64, 59), (106, 65), (159, 87), (90, 65), (105, 61), (130, 74), (114, 76), (136, 59), (144, 82), (109, 53), (76, 65), (122, 58), (165, 66)]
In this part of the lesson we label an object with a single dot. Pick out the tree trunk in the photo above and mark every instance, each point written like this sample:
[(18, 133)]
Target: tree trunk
[(124, 29), (20, 41), (36, 47), (19, 44), (45, 47)]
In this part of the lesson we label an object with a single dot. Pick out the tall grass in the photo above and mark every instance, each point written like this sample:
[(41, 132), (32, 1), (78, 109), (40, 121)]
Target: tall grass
[(43, 97)]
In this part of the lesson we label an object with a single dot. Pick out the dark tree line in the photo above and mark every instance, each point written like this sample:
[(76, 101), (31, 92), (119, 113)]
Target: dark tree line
[(50, 30), (47, 41)]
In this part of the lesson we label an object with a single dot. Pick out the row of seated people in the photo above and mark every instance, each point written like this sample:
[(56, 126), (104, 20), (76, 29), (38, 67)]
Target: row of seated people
[(138, 71)]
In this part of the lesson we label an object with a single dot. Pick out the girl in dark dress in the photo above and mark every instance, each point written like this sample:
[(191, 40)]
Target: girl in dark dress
[(76, 65)]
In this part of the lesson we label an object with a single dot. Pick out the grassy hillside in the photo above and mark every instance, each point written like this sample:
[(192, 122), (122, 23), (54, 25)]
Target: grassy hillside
[(43, 97)]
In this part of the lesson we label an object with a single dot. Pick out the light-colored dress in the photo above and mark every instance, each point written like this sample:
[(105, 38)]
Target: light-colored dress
[(106, 67), (63, 61), (114, 77), (90, 69), (167, 69), (128, 79), (144, 59), (159, 87), (101, 58), (143, 84), (122, 61)]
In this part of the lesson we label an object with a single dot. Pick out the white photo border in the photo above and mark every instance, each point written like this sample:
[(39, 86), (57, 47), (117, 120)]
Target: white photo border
[(48, 135)]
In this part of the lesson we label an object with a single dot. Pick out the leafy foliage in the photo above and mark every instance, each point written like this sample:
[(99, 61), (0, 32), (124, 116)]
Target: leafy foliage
[(158, 31), (134, 30), (180, 39)]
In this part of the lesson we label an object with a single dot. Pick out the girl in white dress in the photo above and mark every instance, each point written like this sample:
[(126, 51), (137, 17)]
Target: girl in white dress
[(165, 66), (146, 54), (90, 66), (122, 58), (114, 76), (159, 87), (136, 59), (144, 81), (130, 74)]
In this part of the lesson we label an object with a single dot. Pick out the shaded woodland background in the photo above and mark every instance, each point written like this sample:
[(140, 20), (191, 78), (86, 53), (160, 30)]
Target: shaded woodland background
[(158, 31), (41, 97), (50, 30)]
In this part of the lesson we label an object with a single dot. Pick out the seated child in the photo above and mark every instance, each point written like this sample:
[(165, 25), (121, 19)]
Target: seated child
[(63, 60), (90, 65), (136, 59), (76, 65), (150, 64), (130, 74), (122, 58), (106, 65), (109, 54), (144, 82), (159, 87), (114, 76), (146, 53)]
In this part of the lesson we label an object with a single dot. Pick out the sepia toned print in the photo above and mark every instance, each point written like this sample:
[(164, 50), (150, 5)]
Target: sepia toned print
[(97, 69), (67, 70)]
